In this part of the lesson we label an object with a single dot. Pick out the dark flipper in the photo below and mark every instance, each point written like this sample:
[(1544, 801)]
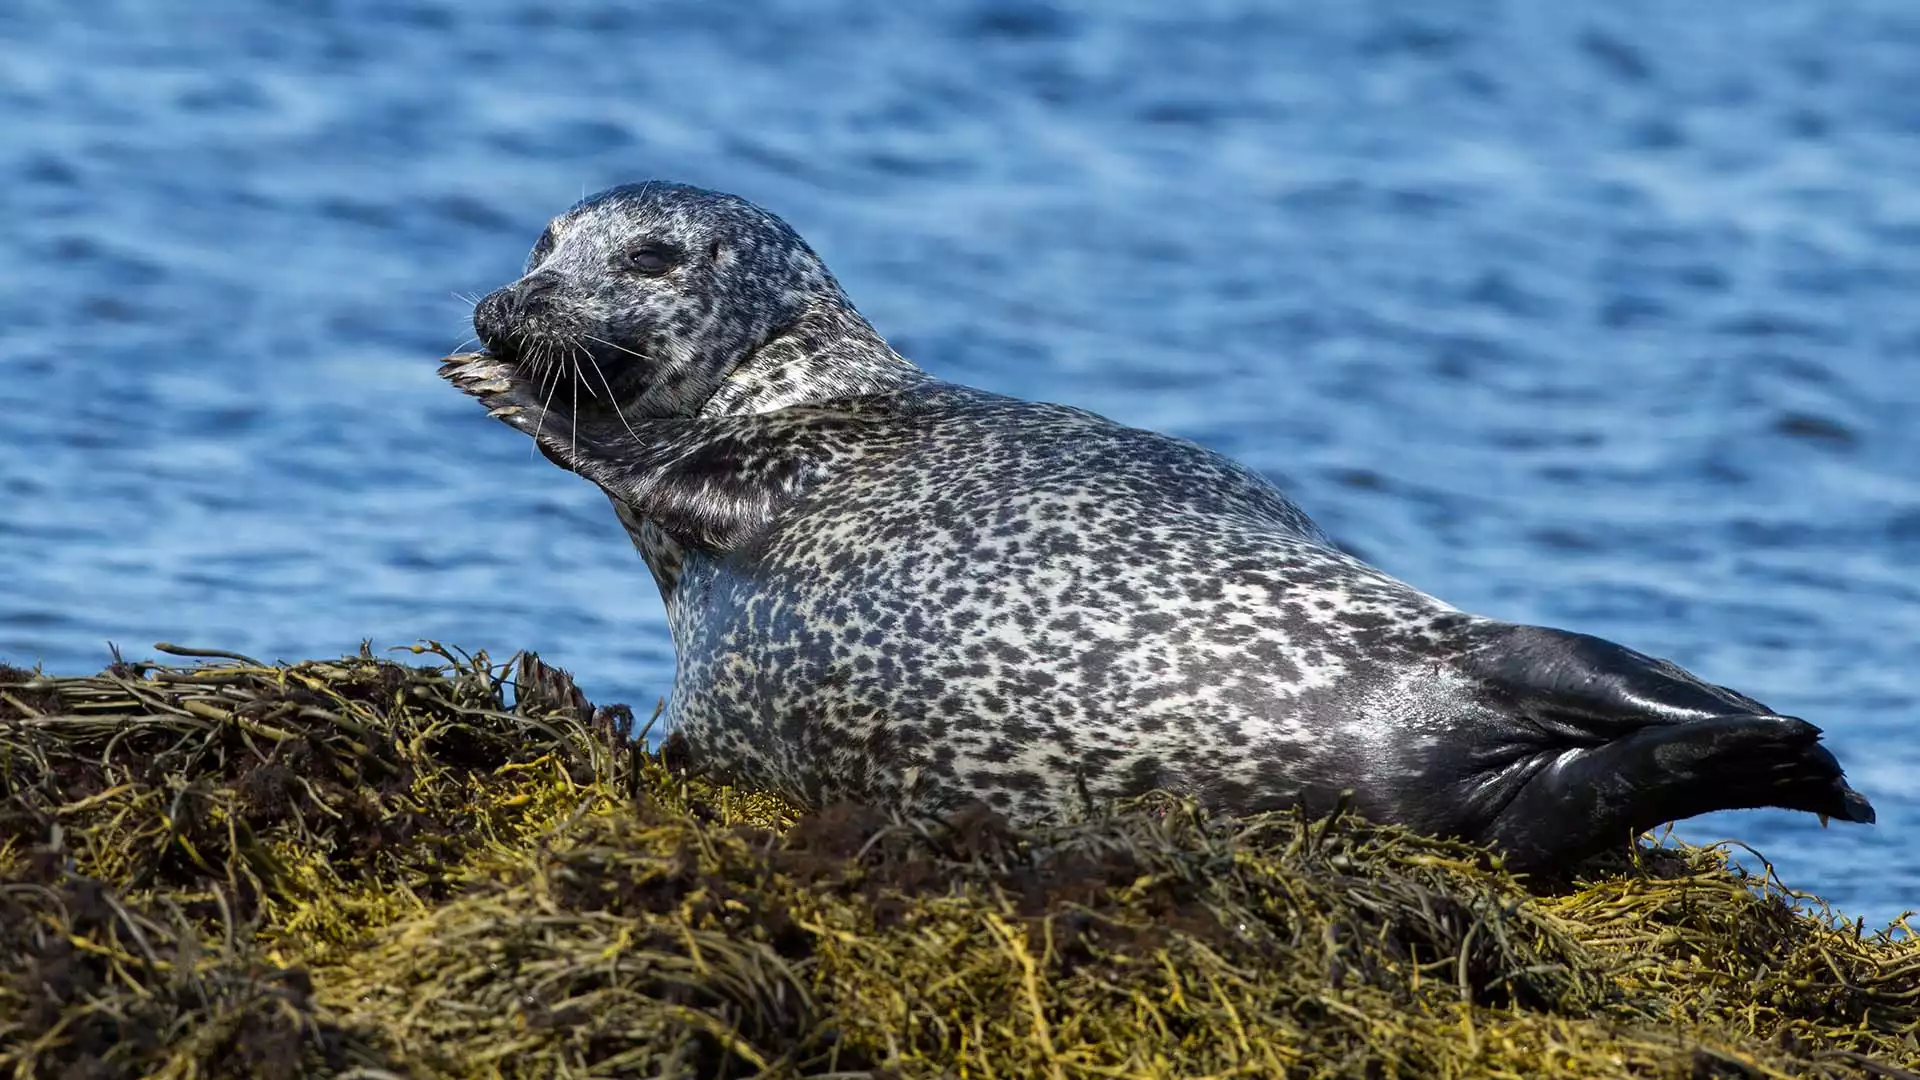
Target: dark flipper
[(1612, 742), (710, 482)]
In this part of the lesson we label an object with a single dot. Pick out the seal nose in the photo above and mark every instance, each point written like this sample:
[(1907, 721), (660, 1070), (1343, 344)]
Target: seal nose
[(495, 316), (493, 319)]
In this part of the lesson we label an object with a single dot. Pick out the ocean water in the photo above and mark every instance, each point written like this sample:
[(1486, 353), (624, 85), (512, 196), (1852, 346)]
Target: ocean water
[(1602, 314)]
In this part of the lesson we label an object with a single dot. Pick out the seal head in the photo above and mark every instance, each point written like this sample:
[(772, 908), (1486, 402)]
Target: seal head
[(660, 295)]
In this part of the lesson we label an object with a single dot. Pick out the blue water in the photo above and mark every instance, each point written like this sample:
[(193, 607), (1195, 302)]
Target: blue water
[(1603, 315)]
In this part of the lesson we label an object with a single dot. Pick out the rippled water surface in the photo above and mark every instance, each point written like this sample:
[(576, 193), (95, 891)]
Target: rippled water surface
[(1603, 315)]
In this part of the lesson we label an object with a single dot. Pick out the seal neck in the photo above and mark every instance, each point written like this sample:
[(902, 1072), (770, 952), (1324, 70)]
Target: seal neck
[(829, 352)]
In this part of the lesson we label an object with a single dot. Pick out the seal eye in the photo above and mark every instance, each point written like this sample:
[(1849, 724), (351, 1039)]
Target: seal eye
[(541, 248), (650, 258)]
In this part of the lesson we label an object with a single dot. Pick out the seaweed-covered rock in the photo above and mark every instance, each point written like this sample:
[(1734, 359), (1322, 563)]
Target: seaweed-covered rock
[(361, 867), (95, 985)]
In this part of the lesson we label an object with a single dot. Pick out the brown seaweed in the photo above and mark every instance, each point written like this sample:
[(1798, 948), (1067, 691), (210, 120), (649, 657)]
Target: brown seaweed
[(361, 867)]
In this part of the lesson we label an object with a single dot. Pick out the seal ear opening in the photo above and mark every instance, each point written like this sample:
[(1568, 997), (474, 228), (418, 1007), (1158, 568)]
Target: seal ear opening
[(715, 250)]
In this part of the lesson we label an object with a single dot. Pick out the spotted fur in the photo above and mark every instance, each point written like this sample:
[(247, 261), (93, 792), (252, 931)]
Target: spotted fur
[(890, 588)]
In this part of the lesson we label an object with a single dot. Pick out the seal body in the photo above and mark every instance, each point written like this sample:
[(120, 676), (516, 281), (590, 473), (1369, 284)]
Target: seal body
[(893, 589)]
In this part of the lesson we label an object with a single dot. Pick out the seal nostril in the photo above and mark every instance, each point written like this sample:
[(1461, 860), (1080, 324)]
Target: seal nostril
[(534, 294)]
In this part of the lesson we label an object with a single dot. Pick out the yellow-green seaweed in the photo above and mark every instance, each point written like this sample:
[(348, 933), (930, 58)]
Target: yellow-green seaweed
[(364, 868)]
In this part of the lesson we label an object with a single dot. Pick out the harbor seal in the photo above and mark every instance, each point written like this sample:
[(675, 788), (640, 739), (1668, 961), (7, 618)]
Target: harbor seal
[(890, 588)]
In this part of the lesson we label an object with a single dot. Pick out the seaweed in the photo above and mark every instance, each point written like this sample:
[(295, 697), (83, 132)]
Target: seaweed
[(464, 869)]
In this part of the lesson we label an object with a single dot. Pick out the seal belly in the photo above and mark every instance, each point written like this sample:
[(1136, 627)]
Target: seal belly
[(1020, 649)]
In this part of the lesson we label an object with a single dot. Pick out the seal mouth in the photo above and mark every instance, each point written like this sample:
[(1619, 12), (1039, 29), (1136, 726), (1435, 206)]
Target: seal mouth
[(560, 367), (519, 326), (521, 323)]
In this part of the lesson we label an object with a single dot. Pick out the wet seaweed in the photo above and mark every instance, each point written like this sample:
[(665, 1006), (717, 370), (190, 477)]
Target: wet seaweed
[(464, 869)]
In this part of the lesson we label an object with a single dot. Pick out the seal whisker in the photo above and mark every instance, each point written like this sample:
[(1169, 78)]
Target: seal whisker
[(547, 383), (545, 407), (543, 365), (616, 345), (574, 352), (611, 399), (518, 340)]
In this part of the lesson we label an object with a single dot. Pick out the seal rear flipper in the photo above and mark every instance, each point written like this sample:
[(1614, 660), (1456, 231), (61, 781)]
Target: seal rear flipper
[(1582, 800), (1580, 689)]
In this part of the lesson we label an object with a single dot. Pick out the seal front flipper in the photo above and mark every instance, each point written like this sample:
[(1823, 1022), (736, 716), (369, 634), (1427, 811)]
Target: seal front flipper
[(510, 399), (710, 482), (1605, 743)]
